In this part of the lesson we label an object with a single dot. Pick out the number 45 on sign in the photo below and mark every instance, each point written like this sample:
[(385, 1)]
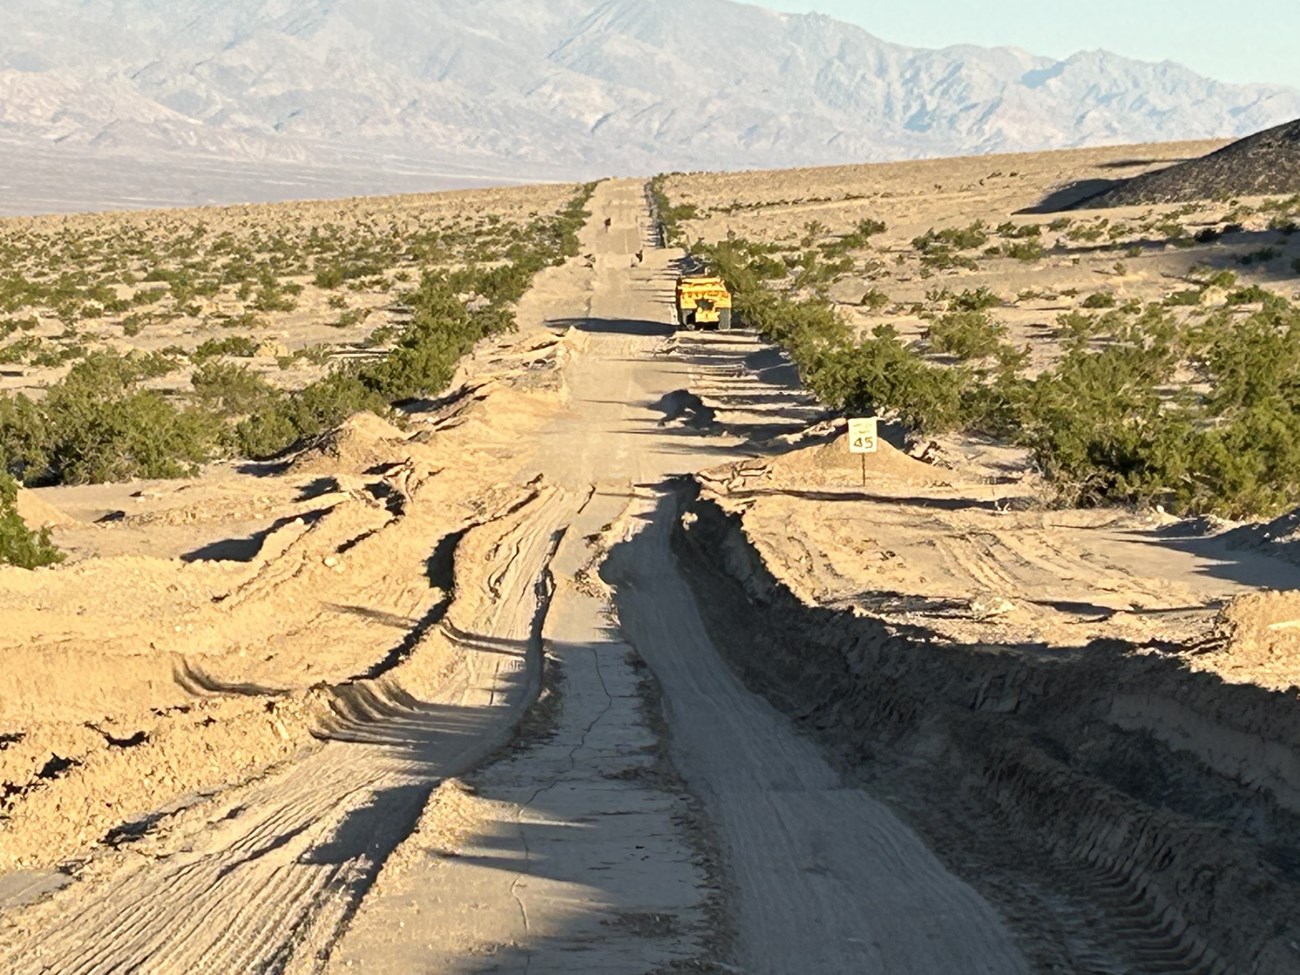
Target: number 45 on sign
[(862, 436), (863, 440)]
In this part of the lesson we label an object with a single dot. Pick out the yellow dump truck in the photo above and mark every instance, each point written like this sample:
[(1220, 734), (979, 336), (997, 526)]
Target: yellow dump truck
[(702, 302)]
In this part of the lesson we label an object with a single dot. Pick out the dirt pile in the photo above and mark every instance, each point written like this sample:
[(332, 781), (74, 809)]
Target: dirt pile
[(831, 463), (1265, 163), (37, 513), (357, 445), (820, 459), (1261, 641)]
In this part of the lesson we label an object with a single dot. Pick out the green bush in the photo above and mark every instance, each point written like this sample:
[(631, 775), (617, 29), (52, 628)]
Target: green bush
[(954, 238), (19, 545), (1099, 299), (229, 389), (966, 335), (241, 346), (881, 375), (977, 300), (98, 425), (1024, 250), (874, 299), (1251, 294)]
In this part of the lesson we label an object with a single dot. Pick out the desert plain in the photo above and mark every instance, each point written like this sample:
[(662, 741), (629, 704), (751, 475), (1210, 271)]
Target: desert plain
[(607, 655)]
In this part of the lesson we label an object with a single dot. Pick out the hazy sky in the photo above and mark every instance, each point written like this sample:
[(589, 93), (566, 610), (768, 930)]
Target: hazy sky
[(1245, 40)]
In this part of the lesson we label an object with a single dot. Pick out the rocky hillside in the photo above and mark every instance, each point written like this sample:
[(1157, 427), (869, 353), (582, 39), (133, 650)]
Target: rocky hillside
[(559, 88), (1267, 162)]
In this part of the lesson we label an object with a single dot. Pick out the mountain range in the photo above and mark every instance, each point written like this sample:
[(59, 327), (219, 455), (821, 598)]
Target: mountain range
[(384, 95)]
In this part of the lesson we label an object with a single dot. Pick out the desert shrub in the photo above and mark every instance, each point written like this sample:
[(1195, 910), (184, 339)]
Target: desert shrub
[(334, 274), (21, 349), (284, 421), (380, 336), (1221, 279), (966, 334), (858, 238), (940, 249), (1249, 295), (351, 318), (242, 346), (1189, 296), (229, 389), (1099, 299), (19, 545), (1088, 232), (1014, 231), (670, 215), (882, 375), (874, 299), (99, 425), (24, 437), (134, 324), (1024, 250), (977, 300), (1094, 419), (954, 238)]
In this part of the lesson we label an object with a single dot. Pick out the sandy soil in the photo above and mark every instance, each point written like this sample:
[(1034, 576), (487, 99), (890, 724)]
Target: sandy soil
[(612, 663)]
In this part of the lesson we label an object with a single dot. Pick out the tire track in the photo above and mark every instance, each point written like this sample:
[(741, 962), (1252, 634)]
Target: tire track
[(242, 887)]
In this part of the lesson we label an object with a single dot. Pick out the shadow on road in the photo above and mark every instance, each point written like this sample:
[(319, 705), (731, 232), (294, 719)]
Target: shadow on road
[(613, 326)]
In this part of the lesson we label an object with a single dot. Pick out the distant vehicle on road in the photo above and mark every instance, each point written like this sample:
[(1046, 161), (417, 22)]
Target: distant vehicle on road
[(703, 301)]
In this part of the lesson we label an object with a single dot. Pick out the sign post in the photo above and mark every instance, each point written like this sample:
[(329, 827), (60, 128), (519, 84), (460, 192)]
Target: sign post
[(863, 439)]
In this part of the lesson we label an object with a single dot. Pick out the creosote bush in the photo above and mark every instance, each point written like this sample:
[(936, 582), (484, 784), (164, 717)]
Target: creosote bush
[(19, 545)]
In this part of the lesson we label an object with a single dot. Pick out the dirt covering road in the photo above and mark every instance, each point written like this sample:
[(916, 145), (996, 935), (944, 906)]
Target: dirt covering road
[(514, 691)]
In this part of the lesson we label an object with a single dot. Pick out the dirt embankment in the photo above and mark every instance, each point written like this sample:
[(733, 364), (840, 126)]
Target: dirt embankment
[(1160, 806)]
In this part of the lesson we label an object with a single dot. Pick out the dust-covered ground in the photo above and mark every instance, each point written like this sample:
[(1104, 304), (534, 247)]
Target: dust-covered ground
[(615, 661)]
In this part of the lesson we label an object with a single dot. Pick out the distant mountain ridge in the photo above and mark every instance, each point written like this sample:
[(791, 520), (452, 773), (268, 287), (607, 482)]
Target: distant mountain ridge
[(562, 88)]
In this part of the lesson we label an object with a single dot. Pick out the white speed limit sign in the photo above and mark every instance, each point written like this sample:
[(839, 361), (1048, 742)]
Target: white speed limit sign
[(862, 436)]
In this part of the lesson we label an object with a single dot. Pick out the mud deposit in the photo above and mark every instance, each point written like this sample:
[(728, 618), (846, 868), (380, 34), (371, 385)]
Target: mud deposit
[(1126, 813)]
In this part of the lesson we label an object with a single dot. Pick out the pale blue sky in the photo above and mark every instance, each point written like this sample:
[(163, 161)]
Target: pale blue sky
[(1229, 40)]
